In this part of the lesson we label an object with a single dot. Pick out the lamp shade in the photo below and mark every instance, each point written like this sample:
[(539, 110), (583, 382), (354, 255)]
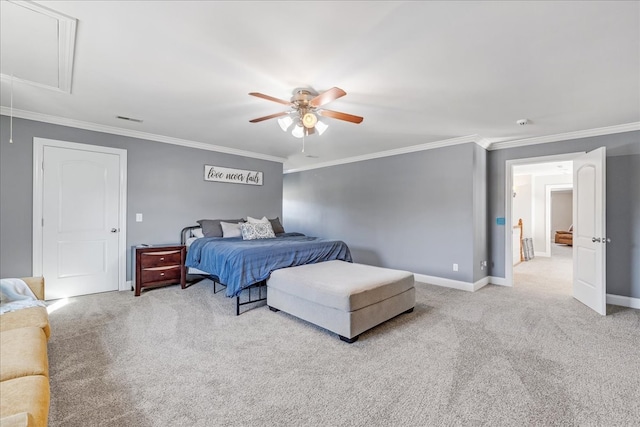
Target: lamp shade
[(285, 122), (298, 131), (321, 127), (309, 120)]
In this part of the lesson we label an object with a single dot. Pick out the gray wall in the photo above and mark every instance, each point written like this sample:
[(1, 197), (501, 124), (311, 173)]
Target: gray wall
[(412, 211), (561, 212), (622, 204), (165, 183)]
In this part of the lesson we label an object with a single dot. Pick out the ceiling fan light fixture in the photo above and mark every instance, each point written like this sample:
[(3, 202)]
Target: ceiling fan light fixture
[(298, 131), (285, 122), (309, 120), (321, 127)]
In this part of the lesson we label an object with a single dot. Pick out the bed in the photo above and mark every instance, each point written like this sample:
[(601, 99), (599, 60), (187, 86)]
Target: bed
[(245, 264)]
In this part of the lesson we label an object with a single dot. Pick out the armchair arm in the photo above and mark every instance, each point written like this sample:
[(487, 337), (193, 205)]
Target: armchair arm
[(37, 286)]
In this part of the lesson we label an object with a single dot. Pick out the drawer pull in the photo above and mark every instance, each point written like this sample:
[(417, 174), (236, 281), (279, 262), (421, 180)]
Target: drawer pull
[(162, 259), (162, 274)]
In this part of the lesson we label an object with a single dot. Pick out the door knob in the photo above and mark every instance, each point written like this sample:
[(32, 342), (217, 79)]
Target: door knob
[(114, 230), (595, 239)]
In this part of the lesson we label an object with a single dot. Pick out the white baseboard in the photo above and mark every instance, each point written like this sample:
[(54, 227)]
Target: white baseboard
[(481, 283), (623, 301), (128, 285), (500, 281), (454, 284)]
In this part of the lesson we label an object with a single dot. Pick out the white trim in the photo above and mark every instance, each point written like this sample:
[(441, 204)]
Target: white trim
[(481, 283), (66, 47), (482, 142), (508, 202), (135, 134), (629, 127), (500, 281), (129, 285), (389, 153), (38, 153), (623, 301), (450, 283)]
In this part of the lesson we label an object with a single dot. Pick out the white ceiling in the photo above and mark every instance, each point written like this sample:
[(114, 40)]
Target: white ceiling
[(419, 72)]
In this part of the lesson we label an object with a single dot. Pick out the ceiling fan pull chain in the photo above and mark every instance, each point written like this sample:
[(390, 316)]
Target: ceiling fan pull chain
[(11, 114)]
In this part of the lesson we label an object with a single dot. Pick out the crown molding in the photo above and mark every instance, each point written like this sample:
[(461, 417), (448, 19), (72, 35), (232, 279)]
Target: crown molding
[(484, 143), (389, 153), (135, 134), (629, 127)]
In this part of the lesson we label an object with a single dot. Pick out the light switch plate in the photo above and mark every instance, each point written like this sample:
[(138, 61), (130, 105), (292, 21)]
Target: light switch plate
[(138, 217)]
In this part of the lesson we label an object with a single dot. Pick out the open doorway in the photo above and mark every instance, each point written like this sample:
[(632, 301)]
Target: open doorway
[(541, 217)]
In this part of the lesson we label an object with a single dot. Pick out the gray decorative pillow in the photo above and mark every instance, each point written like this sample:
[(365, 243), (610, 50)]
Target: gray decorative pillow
[(256, 220), (276, 225), (212, 228), (230, 230), (252, 231)]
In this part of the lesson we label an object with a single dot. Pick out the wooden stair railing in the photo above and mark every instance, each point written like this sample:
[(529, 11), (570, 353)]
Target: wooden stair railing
[(520, 226)]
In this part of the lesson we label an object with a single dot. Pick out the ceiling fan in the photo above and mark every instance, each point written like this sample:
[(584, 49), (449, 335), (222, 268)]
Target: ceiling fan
[(305, 108)]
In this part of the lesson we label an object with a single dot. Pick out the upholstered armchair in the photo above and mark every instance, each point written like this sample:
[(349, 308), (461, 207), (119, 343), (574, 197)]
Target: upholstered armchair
[(564, 237)]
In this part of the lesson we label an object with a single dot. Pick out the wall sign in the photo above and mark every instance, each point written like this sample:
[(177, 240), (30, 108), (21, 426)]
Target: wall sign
[(236, 176)]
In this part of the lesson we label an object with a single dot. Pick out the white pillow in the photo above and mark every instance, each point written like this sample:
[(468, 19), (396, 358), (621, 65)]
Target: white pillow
[(252, 231), (264, 220), (189, 241), (230, 229), (197, 233)]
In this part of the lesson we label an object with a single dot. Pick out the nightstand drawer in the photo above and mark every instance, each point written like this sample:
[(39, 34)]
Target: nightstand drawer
[(159, 265), (156, 274), (163, 258)]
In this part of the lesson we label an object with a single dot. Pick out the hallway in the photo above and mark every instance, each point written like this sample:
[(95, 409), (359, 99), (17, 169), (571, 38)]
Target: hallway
[(547, 274)]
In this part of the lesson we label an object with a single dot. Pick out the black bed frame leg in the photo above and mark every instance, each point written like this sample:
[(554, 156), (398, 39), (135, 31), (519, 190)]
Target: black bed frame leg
[(349, 340), (251, 299)]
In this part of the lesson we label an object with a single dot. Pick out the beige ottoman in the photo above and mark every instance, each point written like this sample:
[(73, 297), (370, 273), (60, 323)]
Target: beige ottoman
[(342, 297)]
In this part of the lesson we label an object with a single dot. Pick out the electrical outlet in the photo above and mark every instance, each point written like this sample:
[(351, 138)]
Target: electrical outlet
[(138, 217), (455, 267)]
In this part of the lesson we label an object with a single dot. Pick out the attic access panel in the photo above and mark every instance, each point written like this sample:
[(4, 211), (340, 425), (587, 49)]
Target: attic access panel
[(36, 45)]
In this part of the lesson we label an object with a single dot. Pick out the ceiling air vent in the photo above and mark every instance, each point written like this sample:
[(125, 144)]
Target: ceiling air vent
[(129, 119)]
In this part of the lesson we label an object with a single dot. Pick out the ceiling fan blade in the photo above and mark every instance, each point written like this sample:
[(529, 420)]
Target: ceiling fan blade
[(272, 116), (327, 96), (270, 98), (341, 116)]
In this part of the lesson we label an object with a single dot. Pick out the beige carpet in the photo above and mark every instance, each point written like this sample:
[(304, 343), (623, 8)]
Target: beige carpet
[(527, 355)]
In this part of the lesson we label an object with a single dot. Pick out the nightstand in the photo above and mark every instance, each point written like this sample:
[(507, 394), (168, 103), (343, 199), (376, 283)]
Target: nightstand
[(159, 265)]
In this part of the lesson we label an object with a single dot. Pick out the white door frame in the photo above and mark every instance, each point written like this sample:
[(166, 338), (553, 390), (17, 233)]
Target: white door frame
[(547, 221), (38, 154), (508, 202)]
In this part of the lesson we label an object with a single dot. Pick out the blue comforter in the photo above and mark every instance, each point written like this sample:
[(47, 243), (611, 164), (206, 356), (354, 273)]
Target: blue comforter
[(240, 263)]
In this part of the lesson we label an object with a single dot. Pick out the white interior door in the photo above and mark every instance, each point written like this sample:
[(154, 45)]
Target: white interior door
[(80, 221), (589, 231)]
